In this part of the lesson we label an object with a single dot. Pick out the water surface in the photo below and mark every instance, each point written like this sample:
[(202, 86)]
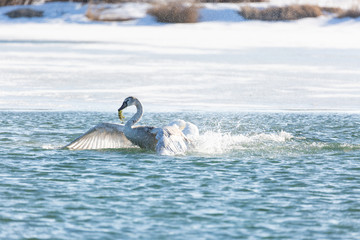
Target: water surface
[(251, 175)]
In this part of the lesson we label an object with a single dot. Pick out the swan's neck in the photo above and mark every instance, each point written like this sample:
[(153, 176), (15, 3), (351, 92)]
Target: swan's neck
[(137, 115)]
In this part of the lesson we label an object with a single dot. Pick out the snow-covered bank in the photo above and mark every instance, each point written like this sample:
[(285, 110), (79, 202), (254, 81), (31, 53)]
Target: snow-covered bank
[(68, 12), (310, 64), (235, 32)]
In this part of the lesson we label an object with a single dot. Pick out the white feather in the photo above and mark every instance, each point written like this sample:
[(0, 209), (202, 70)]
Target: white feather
[(103, 135)]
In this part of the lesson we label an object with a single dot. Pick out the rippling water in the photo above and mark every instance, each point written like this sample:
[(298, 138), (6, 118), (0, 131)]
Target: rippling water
[(251, 175)]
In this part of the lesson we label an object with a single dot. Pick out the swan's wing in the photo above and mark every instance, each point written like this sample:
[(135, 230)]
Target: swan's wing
[(103, 135), (190, 130), (171, 141)]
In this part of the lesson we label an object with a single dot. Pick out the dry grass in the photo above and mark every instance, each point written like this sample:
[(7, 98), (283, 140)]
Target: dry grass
[(82, 1), (93, 13), (99, 13), (335, 10), (111, 1), (175, 12), (350, 13), (24, 13), (14, 2), (292, 12), (29, 2), (233, 1)]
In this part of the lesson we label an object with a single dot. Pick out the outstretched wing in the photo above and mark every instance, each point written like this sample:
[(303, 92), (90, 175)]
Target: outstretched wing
[(103, 135)]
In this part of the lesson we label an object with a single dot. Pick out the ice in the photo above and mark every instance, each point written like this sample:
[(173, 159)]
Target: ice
[(223, 63)]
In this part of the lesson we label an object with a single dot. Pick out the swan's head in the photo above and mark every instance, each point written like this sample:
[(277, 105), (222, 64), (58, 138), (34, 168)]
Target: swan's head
[(129, 101)]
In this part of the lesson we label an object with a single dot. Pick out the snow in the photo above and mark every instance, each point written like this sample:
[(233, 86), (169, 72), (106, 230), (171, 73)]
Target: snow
[(64, 61)]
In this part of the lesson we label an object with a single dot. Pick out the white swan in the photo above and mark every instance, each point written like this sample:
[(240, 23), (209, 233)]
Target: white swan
[(176, 138)]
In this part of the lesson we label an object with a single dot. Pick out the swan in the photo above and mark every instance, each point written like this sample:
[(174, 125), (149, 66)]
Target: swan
[(176, 138)]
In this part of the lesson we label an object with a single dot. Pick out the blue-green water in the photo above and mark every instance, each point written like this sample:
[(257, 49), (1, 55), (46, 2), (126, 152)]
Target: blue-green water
[(251, 176)]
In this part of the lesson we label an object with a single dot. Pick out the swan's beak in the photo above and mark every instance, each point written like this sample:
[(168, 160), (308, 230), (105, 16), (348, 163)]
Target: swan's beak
[(123, 106)]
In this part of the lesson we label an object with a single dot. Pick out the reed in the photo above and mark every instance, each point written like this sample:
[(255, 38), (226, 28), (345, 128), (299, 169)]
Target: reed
[(233, 1), (175, 12), (353, 12), (292, 12)]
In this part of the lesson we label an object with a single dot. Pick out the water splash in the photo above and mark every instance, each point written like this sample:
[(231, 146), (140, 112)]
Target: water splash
[(265, 144), (51, 147), (219, 143)]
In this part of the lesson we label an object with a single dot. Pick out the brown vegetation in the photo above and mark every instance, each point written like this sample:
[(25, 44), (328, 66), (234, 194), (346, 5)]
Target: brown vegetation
[(82, 1), (292, 12), (112, 1), (175, 12), (351, 13), (95, 13), (233, 1), (29, 2), (335, 10), (15, 2), (24, 12)]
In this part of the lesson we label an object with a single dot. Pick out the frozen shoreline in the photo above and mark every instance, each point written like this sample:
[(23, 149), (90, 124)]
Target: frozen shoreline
[(310, 64)]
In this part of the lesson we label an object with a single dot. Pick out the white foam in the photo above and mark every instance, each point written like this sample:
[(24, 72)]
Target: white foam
[(50, 147), (218, 143)]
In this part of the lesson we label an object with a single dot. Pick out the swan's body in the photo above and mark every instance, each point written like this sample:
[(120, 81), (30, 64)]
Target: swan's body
[(173, 139)]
